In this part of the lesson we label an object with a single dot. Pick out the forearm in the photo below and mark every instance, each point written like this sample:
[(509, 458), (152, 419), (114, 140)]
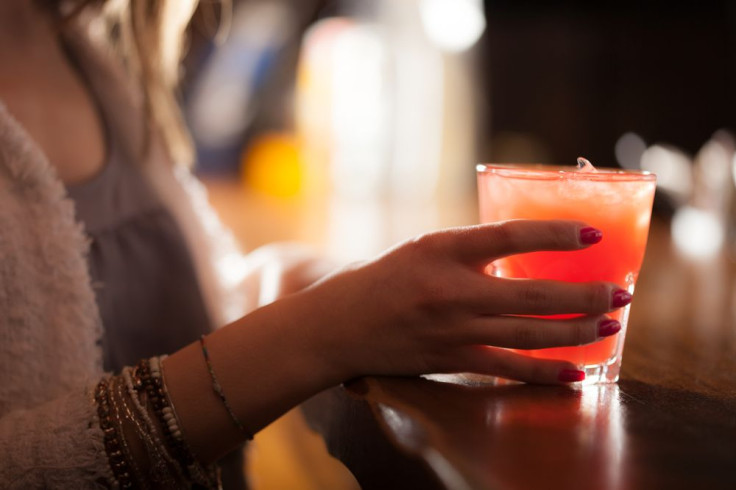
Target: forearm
[(390, 316), (266, 363), (170, 424)]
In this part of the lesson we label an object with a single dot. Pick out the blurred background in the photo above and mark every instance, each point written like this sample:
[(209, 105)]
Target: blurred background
[(395, 101), (351, 124)]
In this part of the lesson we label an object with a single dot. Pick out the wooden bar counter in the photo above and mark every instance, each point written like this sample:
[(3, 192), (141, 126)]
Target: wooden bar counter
[(669, 423)]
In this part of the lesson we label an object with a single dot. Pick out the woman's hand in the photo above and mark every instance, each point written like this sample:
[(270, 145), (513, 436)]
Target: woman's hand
[(427, 306)]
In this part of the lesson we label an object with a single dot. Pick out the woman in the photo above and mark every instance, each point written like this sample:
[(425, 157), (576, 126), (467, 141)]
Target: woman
[(108, 254)]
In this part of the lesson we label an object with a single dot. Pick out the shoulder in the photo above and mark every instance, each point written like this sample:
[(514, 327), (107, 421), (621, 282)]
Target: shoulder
[(31, 194), (32, 198), (33, 201), (21, 160)]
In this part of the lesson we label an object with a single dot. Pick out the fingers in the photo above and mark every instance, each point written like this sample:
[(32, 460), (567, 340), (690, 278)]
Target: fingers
[(495, 296), (537, 333), (507, 364), (483, 243)]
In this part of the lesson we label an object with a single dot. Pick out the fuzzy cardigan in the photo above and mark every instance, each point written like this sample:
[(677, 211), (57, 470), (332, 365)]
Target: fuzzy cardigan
[(50, 356)]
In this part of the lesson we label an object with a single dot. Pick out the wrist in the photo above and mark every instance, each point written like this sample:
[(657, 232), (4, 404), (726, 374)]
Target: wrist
[(328, 321), (266, 363), (311, 339)]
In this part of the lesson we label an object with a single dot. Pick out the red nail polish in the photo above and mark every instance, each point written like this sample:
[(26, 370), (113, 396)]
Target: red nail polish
[(620, 298), (608, 327), (590, 235), (571, 376)]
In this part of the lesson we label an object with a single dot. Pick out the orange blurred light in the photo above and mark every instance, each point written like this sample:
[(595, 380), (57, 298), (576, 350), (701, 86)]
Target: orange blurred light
[(271, 165)]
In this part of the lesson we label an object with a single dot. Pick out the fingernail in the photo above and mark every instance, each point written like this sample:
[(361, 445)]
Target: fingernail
[(590, 235), (608, 327), (621, 297), (571, 376)]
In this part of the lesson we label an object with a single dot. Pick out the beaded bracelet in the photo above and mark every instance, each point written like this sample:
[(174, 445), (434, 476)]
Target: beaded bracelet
[(221, 394), (149, 380), (120, 468), (170, 460), (161, 462), (167, 414), (121, 412)]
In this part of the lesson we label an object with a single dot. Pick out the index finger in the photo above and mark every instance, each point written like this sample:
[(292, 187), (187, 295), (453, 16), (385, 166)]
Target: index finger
[(487, 242)]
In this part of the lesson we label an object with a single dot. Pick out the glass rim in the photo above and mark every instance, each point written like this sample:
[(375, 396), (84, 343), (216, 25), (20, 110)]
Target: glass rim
[(539, 171)]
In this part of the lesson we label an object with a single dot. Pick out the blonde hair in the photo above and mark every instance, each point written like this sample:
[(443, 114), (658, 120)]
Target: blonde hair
[(150, 37)]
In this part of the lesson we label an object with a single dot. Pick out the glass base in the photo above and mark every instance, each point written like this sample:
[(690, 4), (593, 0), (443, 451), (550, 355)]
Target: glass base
[(602, 373), (608, 372)]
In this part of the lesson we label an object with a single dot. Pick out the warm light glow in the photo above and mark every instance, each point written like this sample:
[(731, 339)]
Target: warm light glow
[(713, 167), (360, 112), (673, 170), (697, 233), (344, 108), (233, 268), (314, 100), (601, 406), (357, 228), (272, 165), (453, 25)]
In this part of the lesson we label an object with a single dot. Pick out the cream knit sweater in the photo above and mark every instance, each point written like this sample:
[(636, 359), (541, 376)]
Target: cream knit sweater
[(50, 358)]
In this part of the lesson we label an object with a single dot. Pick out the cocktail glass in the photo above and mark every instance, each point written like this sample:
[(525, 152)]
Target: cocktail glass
[(617, 202)]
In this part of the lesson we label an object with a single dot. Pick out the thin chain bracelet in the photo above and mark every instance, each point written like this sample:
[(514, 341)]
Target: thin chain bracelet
[(220, 393)]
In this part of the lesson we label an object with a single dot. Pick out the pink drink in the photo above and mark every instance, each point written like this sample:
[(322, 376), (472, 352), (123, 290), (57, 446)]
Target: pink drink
[(618, 203)]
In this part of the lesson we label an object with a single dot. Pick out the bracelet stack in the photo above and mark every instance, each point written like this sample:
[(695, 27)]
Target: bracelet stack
[(112, 440), (136, 402)]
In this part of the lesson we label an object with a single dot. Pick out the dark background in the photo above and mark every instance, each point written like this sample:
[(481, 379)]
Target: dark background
[(577, 75), (569, 76)]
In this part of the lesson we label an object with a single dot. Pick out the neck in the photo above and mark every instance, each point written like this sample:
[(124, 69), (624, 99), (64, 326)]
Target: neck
[(22, 22)]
